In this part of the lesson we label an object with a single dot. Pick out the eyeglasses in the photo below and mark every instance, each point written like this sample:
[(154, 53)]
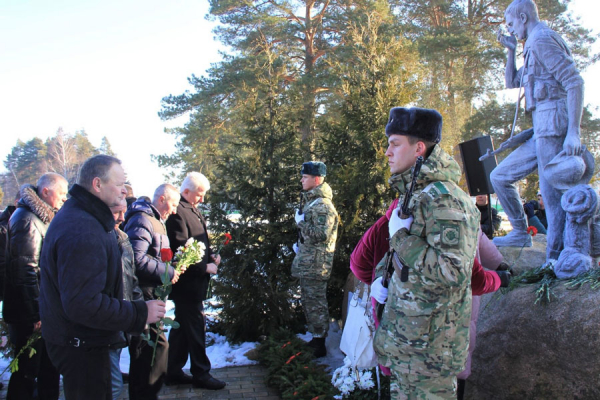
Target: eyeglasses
[(539, 196)]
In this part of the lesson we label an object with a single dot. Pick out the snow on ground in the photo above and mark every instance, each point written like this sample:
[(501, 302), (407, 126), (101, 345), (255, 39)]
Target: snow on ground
[(223, 354), (334, 357)]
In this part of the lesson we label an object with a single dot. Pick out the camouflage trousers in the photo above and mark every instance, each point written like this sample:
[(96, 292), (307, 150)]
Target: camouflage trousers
[(410, 385), (314, 303)]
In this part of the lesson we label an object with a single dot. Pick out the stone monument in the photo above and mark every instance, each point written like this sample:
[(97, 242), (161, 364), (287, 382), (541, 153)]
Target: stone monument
[(553, 91)]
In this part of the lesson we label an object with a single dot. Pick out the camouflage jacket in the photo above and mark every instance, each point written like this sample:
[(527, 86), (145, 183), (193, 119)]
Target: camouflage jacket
[(319, 230), (426, 319)]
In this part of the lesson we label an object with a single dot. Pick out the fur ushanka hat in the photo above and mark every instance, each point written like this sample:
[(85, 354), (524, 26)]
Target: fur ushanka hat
[(314, 168), (422, 123)]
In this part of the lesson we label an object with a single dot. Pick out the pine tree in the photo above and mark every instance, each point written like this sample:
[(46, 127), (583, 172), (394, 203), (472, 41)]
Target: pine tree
[(106, 148), (27, 161), (259, 178), (377, 71)]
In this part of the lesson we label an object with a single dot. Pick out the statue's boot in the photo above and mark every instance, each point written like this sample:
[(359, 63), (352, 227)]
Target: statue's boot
[(518, 237)]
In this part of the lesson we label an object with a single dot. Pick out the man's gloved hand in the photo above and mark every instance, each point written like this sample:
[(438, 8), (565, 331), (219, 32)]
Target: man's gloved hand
[(299, 217), (505, 277), (295, 247), (378, 292), (396, 223), (503, 266)]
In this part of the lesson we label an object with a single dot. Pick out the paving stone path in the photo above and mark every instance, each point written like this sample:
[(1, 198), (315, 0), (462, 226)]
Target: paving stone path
[(246, 382)]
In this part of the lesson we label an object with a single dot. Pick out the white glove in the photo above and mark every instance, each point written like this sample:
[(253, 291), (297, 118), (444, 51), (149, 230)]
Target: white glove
[(299, 217), (295, 247), (378, 292), (396, 223)]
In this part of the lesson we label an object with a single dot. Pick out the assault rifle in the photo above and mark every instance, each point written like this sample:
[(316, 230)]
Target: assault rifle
[(391, 255), (300, 238), (512, 142)]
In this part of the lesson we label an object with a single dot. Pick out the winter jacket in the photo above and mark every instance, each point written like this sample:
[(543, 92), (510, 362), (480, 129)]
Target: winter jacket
[(4, 217), (319, 232), (486, 224), (26, 231), (425, 323), (148, 235), (373, 245), (489, 257), (81, 294), (371, 248), (131, 287), (189, 223)]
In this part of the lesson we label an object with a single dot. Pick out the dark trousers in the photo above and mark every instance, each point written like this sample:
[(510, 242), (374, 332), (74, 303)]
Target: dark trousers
[(146, 380), (22, 382), (189, 338), (86, 371)]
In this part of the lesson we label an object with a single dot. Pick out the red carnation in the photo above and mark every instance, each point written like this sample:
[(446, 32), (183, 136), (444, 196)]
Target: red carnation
[(166, 254), (228, 238), (532, 230)]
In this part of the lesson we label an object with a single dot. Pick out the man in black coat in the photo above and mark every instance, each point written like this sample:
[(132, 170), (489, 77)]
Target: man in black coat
[(131, 292), (189, 293), (26, 230), (4, 217), (81, 295), (144, 224), (488, 225)]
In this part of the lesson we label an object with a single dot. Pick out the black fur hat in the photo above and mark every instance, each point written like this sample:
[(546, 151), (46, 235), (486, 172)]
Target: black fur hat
[(422, 123), (314, 168)]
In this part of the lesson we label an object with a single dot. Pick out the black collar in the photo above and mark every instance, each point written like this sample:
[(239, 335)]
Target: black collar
[(94, 206)]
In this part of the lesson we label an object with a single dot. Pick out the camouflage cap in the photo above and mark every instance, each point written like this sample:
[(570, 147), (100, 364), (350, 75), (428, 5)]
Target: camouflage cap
[(315, 168)]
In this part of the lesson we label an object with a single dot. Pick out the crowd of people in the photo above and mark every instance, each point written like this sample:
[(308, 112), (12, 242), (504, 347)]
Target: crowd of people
[(83, 272)]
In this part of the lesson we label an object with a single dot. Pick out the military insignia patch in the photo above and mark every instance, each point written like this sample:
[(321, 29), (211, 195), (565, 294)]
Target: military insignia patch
[(450, 234)]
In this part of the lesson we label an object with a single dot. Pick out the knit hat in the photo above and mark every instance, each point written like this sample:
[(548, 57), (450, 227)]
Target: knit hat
[(315, 168), (423, 123)]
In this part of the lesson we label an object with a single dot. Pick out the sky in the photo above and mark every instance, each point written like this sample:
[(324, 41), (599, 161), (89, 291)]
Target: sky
[(103, 66)]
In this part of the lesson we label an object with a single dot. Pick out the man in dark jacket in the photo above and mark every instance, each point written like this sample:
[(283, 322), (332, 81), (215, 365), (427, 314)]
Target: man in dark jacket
[(488, 225), (191, 290), (144, 224), (131, 292), (81, 296), (26, 230), (4, 217)]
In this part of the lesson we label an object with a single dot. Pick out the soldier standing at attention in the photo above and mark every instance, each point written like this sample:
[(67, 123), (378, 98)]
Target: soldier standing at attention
[(424, 332), (318, 223)]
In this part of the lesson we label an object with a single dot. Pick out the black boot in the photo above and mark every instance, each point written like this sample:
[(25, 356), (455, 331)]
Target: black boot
[(318, 346), (460, 390)]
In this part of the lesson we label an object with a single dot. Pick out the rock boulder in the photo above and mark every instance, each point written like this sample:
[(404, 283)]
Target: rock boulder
[(530, 257), (531, 351)]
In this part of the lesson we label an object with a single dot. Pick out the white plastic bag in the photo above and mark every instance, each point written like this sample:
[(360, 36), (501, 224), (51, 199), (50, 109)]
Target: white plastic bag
[(359, 331)]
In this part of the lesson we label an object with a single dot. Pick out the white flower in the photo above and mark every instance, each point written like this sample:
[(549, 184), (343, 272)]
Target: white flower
[(345, 379)]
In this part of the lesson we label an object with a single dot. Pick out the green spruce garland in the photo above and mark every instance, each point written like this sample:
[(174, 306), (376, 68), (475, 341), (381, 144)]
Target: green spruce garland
[(293, 371)]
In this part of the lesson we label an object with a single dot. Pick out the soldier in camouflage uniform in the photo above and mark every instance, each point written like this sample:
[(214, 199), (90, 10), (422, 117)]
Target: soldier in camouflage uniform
[(317, 222), (424, 333)]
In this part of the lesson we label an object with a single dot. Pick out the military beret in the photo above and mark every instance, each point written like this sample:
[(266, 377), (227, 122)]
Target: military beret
[(423, 123), (315, 168)]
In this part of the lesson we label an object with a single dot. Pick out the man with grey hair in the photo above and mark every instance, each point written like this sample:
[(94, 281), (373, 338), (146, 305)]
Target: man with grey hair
[(26, 231), (554, 94), (144, 224), (82, 309), (191, 290)]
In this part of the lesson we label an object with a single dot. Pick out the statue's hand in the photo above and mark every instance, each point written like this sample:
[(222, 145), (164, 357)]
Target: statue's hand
[(510, 42), (572, 144)]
